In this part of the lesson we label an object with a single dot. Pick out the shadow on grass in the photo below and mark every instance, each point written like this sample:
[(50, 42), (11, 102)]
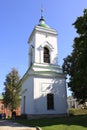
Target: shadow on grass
[(80, 120)]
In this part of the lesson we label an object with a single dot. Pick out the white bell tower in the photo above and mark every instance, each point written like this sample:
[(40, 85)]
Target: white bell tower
[(43, 45), (44, 83)]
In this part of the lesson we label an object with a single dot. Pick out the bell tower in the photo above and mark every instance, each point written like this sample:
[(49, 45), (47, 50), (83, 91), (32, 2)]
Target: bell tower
[(44, 83), (43, 45)]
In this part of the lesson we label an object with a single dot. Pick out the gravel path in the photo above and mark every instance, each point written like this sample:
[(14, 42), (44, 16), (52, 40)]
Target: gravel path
[(9, 125)]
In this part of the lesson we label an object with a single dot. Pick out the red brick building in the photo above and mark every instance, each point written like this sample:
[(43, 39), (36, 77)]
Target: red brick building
[(7, 110)]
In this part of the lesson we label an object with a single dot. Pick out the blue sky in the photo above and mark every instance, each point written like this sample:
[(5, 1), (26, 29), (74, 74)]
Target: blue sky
[(17, 20)]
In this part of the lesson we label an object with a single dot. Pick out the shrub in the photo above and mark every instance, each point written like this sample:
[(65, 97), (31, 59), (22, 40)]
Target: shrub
[(78, 111)]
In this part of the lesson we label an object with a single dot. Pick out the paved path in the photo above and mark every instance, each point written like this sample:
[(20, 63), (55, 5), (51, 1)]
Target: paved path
[(9, 125)]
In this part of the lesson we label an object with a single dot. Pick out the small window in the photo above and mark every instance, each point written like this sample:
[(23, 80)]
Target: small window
[(46, 55), (50, 101), (24, 103)]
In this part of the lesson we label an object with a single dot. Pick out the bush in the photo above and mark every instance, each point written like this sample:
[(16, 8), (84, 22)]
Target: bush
[(78, 111), (24, 116)]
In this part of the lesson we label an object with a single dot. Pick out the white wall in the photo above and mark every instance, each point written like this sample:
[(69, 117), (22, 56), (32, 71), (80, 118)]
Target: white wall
[(27, 90), (36, 98), (40, 40), (42, 87)]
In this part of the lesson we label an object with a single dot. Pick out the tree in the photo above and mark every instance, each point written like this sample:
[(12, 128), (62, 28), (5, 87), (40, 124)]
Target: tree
[(75, 64), (11, 95)]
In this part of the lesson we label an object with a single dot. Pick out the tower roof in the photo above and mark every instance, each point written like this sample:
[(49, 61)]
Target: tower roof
[(42, 21)]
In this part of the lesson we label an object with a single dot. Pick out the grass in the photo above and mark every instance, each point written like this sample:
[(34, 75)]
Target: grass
[(78, 122)]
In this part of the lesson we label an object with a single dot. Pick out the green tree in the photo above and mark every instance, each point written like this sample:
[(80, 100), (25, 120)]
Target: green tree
[(11, 95), (75, 64)]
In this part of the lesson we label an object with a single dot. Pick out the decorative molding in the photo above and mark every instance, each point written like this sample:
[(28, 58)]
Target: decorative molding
[(47, 44)]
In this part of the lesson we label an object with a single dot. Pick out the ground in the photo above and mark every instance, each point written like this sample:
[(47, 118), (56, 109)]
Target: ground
[(11, 125)]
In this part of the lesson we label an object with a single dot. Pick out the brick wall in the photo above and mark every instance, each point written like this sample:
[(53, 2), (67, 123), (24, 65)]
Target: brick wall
[(7, 110)]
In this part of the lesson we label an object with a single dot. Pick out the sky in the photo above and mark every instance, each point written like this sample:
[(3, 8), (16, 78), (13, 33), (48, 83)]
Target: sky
[(17, 20)]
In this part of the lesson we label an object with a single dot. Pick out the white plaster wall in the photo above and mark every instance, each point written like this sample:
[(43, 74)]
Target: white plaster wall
[(31, 52), (27, 90), (40, 40), (42, 87)]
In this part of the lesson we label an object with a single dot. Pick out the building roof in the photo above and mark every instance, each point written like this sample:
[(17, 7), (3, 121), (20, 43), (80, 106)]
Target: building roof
[(42, 20), (42, 23)]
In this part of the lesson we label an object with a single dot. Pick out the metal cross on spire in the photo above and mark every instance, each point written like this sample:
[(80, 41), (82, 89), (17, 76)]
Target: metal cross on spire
[(42, 10)]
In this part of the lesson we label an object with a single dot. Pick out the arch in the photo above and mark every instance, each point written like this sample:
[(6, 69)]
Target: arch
[(48, 45)]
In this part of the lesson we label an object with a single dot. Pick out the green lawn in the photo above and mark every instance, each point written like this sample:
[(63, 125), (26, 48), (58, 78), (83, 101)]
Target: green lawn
[(60, 123)]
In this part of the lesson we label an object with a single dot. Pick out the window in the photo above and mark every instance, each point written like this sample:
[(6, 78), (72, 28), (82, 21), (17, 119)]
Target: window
[(50, 101), (46, 55), (24, 103)]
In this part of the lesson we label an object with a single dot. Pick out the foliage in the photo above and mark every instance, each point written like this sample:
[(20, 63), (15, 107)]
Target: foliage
[(59, 123), (75, 64), (77, 111), (11, 95)]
